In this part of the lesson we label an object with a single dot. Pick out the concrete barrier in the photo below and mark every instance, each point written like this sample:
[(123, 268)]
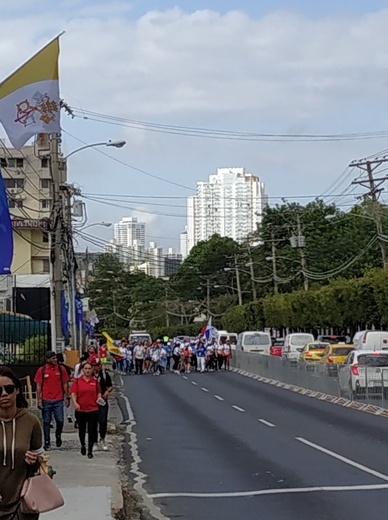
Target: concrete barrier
[(312, 376)]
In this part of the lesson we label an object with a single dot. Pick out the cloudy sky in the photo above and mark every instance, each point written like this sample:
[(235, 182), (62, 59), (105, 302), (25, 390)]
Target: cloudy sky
[(263, 66)]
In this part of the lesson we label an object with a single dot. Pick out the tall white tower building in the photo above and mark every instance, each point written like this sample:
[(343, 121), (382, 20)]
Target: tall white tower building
[(129, 232), (229, 204)]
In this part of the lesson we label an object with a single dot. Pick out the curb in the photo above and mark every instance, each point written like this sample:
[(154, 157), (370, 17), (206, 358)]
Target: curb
[(341, 401)]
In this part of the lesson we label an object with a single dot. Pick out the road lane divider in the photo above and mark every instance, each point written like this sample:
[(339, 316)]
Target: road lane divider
[(185, 377), (194, 383), (280, 491), (337, 456), (238, 408), (219, 397), (204, 389), (267, 423)]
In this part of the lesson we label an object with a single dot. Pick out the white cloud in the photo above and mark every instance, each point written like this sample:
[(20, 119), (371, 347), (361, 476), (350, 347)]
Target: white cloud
[(280, 73)]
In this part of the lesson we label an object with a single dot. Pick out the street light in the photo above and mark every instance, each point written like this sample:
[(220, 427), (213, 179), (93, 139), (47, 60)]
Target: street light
[(115, 144)]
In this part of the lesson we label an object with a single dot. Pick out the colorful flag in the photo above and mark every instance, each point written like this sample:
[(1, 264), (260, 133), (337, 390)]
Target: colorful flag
[(6, 235), (209, 331), (112, 349), (29, 98)]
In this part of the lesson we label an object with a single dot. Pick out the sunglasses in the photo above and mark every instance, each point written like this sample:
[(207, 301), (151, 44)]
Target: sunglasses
[(8, 389)]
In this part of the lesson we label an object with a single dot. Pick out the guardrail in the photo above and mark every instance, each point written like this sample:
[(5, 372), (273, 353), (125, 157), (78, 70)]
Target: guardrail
[(319, 377)]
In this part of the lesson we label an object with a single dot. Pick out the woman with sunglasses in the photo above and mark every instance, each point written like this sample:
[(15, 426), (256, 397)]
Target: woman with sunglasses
[(21, 445)]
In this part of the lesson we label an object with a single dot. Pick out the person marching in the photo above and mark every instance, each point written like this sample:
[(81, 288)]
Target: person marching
[(86, 397), (227, 354), (176, 356), (138, 354), (106, 386), (52, 386), (155, 357), (219, 355), (163, 359), (201, 356), (187, 358)]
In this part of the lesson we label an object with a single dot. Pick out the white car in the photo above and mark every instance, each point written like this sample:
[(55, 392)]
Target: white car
[(364, 372), (294, 344)]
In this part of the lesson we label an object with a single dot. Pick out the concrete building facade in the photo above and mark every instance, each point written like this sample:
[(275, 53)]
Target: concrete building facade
[(230, 204), (28, 183)]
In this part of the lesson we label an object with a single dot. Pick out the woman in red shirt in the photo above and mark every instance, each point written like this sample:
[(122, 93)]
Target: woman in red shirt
[(86, 395)]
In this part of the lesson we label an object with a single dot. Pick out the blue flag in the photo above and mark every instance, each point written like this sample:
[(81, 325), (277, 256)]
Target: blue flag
[(79, 311), (6, 236)]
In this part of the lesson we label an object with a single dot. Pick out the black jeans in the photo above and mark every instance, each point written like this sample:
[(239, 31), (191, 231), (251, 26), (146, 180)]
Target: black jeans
[(176, 362), (138, 366), (89, 420), (103, 420)]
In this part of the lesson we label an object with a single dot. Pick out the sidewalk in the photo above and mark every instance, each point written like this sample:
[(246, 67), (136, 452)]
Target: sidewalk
[(91, 487)]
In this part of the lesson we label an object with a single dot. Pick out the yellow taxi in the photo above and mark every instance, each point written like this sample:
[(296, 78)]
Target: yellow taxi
[(313, 352), (335, 355)]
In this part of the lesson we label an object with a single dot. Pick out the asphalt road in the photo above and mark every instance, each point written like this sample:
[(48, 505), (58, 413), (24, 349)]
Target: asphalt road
[(221, 446)]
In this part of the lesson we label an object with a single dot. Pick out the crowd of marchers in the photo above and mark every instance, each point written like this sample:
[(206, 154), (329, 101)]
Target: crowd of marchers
[(161, 356)]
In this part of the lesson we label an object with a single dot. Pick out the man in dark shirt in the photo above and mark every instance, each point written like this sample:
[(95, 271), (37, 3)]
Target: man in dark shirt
[(105, 381)]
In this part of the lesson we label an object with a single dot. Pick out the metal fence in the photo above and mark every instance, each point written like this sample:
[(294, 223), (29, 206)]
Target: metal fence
[(369, 387), (23, 341)]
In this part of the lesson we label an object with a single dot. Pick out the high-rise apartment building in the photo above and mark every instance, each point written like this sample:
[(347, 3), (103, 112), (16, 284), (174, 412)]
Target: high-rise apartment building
[(230, 204), (183, 243), (28, 184), (129, 232)]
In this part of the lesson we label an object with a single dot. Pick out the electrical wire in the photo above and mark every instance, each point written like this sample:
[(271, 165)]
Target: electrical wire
[(221, 134)]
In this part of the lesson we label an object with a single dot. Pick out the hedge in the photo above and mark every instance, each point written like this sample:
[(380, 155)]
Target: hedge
[(343, 305)]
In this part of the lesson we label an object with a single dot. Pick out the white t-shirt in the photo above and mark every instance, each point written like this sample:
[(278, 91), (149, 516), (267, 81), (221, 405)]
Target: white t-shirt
[(123, 351), (139, 352), (77, 371), (177, 351), (155, 356), (226, 349)]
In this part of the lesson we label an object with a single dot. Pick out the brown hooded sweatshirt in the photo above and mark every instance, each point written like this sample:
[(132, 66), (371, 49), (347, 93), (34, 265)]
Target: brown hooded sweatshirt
[(21, 434)]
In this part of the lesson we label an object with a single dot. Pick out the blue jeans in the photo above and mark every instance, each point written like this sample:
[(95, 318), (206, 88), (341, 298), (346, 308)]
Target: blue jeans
[(51, 408)]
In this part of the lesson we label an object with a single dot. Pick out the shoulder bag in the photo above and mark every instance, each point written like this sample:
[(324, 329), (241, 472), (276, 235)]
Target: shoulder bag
[(40, 495)]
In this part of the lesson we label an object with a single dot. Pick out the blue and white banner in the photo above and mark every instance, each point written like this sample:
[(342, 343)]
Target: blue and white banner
[(6, 235), (79, 311)]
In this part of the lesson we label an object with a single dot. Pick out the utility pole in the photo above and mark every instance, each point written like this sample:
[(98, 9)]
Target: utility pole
[(208, 297), (240, 301), (70, 264), (274, 266), (252, 271), (57, 341), (302, 254), (166, 307), (369, 167)]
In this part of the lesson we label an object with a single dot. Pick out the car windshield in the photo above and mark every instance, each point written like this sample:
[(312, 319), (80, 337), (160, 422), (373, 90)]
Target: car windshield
[(341, 351), (317, 346), (278, 343), (255, 339), (300, 340), (140, 337), (373, 360)]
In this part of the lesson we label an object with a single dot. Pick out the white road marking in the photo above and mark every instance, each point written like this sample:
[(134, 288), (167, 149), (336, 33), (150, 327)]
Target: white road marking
[(344, 459), (219, 397), (204, 389), (267, 423), (238, 408), (281, 491), (140, 477), (185, 377), (194, 383)]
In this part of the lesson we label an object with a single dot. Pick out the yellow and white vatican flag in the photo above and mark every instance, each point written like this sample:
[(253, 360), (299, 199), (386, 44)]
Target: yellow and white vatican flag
[(29, 98)]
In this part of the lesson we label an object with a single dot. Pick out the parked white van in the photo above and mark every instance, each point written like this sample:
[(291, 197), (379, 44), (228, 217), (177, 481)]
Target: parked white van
[(371, 340), (254, 341), (294, 343), (223, 335)]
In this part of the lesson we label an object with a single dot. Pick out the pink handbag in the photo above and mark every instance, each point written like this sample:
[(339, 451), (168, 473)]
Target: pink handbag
[(40, 495)]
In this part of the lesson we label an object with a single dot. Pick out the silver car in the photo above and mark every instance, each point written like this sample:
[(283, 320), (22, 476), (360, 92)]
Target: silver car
[(364, 373)]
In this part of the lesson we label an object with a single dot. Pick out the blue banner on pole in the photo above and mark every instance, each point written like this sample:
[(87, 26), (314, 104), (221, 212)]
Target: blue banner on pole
[(79, 310), (6, 235), (65, 317)]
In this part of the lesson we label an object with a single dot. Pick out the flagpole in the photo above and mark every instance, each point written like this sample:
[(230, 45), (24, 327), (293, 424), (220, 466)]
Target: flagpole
[(32, 57)]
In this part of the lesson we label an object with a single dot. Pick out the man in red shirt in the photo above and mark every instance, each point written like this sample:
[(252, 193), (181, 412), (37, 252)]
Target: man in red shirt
[(52, 386)]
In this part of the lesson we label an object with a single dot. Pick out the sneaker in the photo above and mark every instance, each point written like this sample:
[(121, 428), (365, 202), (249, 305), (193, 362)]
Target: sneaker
[(47, 447), (58, 441), (90, 455), (103, 445), (83, 450)]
